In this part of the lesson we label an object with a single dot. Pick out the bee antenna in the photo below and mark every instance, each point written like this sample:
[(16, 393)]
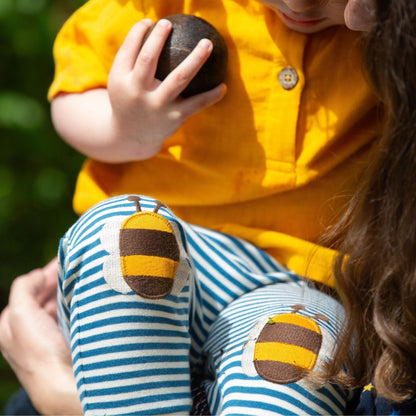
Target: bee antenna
[(136, 200), (321, 317), (158, 206), (297, 308)]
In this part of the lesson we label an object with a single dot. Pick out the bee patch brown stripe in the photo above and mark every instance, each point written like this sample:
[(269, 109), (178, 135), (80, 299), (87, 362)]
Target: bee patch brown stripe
[(148, 243), (277, 372), (291, 334), (150, 287)]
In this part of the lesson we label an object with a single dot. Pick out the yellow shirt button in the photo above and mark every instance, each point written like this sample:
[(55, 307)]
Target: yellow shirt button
[(288, 78)]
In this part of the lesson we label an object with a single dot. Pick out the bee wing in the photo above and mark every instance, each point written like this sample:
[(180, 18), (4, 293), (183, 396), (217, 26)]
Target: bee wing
[(184, 266), (247, 363), (109, 236)]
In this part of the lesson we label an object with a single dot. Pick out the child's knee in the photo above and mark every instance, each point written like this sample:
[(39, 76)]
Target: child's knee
[(267, 341), (283, 347), (136, 241)]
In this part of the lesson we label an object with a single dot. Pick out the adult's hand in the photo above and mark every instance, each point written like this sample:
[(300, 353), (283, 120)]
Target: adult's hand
[(31, 341)]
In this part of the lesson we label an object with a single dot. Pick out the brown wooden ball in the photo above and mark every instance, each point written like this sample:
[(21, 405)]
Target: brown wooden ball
[(187, 31)]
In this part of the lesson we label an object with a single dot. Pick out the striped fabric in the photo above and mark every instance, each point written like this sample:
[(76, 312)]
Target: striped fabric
[(235, 386), (133, 356)]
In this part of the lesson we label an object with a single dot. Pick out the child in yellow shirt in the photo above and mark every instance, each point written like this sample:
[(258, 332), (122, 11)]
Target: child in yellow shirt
[(265, 162), (148, 293)]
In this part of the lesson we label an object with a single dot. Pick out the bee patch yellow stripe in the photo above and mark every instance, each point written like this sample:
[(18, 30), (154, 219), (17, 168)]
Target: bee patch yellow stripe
[(292, 318), (285, 353), (148, 266), (148, 221)]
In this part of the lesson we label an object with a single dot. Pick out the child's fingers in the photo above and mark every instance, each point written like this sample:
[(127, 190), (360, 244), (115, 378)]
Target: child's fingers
[(147, 59), (126, 56), (196, 103), (183, 74)]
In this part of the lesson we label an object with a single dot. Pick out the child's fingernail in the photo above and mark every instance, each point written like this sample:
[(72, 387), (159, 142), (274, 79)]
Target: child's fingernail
[(164, 22), (205, 43), (147, 21)]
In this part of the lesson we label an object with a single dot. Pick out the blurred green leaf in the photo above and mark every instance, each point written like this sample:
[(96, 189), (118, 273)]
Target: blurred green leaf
[(6, 182), (26, 42), (30, 6), (50, 185), (20, 111), (6, 6)]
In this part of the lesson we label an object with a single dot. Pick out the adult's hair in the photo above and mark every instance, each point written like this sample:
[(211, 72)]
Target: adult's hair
[(376, 269)]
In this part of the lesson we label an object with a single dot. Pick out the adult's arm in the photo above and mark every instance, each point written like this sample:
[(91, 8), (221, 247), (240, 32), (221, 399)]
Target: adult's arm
[(32, 343)]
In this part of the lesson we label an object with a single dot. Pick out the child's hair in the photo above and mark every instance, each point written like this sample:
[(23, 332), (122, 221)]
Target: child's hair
[(376, 269)]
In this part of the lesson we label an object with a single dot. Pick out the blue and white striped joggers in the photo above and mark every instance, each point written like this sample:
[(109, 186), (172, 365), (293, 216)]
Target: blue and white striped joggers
[(246, 322)]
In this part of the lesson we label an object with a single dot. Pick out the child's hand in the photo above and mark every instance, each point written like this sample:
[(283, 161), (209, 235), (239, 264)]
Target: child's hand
[(145, 109), (131, 118)]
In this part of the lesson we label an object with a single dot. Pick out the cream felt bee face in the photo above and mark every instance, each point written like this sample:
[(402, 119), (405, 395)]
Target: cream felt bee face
[(280, 349), (144, 255)]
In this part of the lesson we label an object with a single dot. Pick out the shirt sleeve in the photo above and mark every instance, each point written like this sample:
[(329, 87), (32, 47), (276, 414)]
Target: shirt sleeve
[(86, 45)]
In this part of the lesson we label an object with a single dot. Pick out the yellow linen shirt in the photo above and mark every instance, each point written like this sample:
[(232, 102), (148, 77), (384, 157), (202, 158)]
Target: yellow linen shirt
[(271, 165)]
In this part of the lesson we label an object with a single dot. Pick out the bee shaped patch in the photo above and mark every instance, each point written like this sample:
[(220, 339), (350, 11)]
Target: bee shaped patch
[(282, 349), (149, 252)]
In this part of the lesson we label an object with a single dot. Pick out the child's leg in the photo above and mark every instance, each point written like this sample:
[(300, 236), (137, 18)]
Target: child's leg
[(126, 320), (226, 268), (131, 350), (259, 345)]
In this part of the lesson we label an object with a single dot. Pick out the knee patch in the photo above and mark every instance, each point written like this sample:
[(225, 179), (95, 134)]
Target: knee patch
[(281, 349), (144, 253)]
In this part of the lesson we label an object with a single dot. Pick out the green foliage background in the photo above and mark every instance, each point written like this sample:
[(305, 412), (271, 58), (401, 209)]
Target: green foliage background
[(37, 170)]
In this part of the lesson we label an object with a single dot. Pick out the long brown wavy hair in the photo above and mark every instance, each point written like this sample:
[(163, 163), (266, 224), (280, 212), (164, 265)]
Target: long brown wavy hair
[(376, 269)]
